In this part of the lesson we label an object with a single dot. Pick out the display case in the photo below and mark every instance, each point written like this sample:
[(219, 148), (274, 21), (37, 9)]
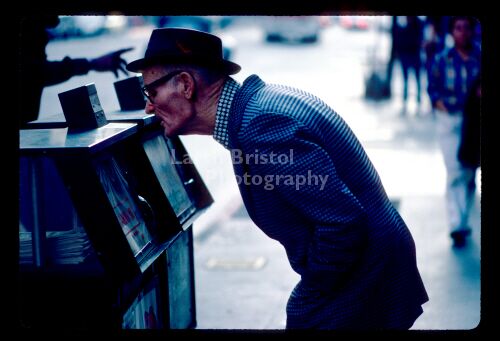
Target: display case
[(113, 208), (169, 157), (129, 93)]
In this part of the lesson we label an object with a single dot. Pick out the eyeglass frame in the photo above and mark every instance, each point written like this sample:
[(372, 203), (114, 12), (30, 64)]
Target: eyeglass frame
[(158, 82)]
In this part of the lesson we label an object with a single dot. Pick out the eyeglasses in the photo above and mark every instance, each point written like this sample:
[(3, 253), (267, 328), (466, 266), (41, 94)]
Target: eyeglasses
[(150, 90)]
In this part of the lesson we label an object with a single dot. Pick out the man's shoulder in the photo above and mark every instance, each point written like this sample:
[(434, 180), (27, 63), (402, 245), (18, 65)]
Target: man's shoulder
[(269, 91)]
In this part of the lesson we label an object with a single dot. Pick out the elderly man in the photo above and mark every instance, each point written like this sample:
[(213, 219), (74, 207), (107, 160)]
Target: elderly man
[(326, 204)]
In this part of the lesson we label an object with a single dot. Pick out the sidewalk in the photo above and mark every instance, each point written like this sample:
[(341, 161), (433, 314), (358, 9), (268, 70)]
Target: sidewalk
[(243, 278)]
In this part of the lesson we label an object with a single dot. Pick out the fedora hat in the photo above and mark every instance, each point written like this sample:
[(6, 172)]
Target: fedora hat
[(181, 45)]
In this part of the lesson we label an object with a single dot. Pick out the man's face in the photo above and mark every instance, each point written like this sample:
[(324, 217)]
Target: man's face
[(462, 33), (167, 99)]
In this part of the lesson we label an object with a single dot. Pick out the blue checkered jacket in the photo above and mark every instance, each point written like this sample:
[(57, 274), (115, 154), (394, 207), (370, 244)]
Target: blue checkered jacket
[(355, 255)]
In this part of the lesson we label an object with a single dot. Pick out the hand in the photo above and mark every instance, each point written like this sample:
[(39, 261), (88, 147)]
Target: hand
[(440, 106), (111, 62)]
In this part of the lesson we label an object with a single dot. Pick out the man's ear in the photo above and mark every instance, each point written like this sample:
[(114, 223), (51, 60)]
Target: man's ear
[(188, 85)]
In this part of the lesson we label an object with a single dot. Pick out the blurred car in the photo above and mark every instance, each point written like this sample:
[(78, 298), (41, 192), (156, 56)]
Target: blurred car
[(116, 23), (78, 26), (302, 29), (209, 24), (200, 23), (355, 22)]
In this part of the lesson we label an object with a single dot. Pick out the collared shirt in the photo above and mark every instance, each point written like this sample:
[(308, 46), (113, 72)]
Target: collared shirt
[(222, 115), (451, 78)]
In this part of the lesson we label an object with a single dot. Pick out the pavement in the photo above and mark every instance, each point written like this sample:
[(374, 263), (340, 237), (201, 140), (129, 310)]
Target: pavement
[(243, 278)]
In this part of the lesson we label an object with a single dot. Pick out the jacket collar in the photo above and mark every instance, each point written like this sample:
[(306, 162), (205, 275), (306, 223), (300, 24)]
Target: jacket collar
[(249, 87)]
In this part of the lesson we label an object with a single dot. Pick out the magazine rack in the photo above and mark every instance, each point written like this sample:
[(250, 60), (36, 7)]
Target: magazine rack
[(106, 221)]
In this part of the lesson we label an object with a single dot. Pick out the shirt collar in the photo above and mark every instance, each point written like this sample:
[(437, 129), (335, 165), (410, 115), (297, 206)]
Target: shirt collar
[(222, 115)]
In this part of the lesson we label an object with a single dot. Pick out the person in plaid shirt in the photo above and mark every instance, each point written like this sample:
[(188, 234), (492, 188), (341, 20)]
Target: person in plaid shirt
[(452, 76)]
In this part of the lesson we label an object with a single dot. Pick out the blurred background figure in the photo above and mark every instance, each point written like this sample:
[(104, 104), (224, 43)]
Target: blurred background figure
[(36, 72), (406, 46), (453, 75), (469, 149), (435, 35), (435, 31)]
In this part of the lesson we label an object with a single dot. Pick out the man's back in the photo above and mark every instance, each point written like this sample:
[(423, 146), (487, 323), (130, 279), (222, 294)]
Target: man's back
[(341, 233)]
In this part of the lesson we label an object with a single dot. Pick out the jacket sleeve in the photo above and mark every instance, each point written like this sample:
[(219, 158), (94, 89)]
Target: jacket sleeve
[(338, 220), (55, 72)]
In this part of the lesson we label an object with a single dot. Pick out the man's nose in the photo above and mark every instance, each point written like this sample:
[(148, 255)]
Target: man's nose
[(149, 108)]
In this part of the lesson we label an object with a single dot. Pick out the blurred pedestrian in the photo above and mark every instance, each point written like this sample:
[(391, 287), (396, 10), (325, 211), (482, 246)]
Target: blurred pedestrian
[(434, 37), (305, 179), (392, 54), (36, 72), (469, 147), (407, 33), (452, 78), (436, 29)]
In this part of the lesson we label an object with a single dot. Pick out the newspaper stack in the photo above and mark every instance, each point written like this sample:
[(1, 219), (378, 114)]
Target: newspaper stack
[(62, 247)]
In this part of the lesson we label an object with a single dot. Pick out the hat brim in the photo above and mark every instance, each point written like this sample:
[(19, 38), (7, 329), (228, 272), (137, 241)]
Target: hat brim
[(226, 66)]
